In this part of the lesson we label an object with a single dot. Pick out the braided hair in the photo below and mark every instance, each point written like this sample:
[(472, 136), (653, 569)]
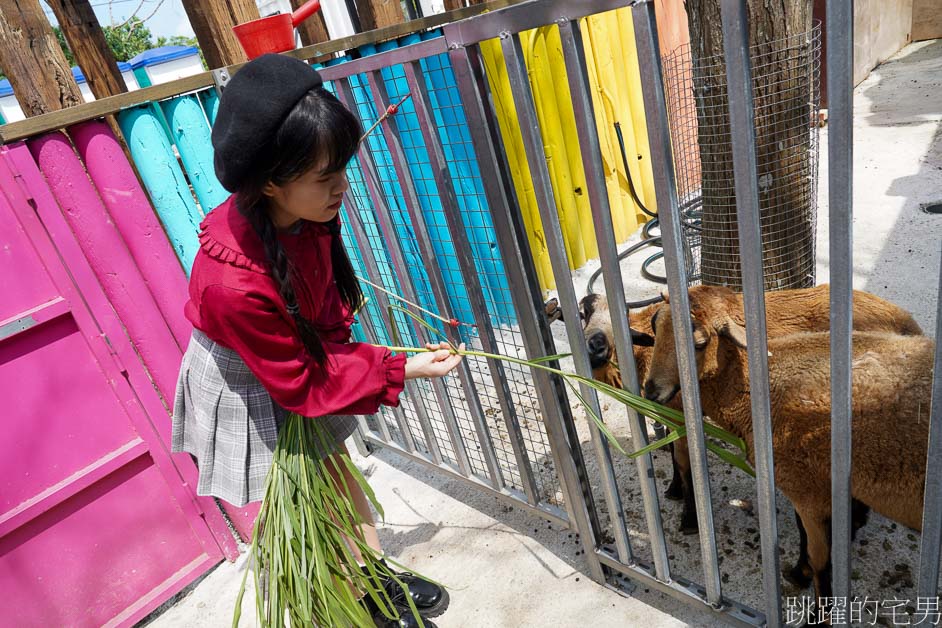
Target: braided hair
[(318, 130)]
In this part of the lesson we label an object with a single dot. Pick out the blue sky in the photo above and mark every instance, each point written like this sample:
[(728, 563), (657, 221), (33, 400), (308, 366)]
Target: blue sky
[(168, 19)]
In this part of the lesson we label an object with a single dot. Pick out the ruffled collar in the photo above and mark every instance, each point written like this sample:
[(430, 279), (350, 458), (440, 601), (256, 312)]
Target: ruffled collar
[(226, 235)]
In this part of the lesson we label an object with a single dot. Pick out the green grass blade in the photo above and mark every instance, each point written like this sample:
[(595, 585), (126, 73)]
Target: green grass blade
[(667, 440), (597, 419), (550, 358)]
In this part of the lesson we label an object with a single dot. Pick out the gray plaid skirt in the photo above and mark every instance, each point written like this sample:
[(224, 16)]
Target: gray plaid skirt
[(225, 419)]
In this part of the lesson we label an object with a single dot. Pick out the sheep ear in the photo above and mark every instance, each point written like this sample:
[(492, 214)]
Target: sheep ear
[(665, 296), (734, 331), (641, 339)]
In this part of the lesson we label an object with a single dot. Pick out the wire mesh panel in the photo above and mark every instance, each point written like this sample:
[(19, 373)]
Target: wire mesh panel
[(387, 195), (786, 80)]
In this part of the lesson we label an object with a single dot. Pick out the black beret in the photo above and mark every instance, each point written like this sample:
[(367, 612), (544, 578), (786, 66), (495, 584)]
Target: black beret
[(253, 105)]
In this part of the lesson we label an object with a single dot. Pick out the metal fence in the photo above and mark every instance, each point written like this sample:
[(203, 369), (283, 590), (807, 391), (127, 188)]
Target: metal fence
[(495, 400)]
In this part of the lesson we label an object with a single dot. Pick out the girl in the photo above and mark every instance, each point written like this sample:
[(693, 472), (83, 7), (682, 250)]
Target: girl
[(272, 296)]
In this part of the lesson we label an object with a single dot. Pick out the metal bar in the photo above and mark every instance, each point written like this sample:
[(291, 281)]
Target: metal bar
[(652, 82), (524, 16), (681, 589), (546, 201), (743, 133), (527, 301), (840, 64), (469, 274), (381, 60), (931, 543), (511, 496), (362, 429), (366, 252), (433, 271), (591, 152)]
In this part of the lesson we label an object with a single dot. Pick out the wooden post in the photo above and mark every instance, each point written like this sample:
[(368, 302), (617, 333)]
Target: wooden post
[(451, 5), (212, 21), (87, 42), (33, 61), (313, 30), (379, 13)]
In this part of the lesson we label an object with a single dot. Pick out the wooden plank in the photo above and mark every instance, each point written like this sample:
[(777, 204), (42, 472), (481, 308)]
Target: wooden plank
[(212, 21), (32, 59), (927, 19), (89, 46), (313, 30), (376, 14), (60, 119)]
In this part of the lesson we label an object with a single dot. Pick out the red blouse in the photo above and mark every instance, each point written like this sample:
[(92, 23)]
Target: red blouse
[(235, 302)]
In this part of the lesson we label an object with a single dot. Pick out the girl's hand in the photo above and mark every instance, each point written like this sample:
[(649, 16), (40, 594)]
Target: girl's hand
[(439, 361)]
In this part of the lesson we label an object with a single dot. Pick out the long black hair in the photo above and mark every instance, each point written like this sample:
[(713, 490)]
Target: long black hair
[(319, 130)]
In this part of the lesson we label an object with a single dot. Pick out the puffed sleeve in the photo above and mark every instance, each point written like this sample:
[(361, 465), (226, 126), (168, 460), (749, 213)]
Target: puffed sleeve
[(357, 379)]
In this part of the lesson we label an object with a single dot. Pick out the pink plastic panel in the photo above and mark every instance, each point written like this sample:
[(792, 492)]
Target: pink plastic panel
[(95, 556)]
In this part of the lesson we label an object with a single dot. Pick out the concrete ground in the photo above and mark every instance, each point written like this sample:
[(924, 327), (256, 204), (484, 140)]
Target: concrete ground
[(507, 568)]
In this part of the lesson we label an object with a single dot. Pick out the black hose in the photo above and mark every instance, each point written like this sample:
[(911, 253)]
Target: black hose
[(688, 212)]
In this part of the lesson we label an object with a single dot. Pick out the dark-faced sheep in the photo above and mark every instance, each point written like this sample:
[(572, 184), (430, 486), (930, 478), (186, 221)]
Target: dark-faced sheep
[(788, 312), (892, 377)]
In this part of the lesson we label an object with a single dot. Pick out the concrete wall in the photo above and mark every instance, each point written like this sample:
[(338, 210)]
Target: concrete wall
[(881, 28)]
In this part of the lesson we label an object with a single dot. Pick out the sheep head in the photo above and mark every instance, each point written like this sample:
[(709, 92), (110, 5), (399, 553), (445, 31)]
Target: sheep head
[(715, 334), (600, 339)]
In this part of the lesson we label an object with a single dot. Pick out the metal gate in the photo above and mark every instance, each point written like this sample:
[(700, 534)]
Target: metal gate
[(414, 234), (428, 219)]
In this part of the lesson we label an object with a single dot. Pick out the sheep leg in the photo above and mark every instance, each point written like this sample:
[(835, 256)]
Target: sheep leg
[(818, 528), (688, 518), (859, 514), (801, 574), (675, 491), (681, 459)]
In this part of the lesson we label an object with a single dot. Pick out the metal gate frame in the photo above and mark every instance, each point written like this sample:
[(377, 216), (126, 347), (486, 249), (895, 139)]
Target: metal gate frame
[(535, 339)]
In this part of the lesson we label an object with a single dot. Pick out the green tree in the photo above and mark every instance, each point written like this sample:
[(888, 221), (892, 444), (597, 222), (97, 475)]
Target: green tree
[(129, 39), (65, 46), (180, 40)]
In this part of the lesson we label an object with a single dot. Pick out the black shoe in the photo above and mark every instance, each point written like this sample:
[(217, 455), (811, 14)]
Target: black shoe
[(430, 599), (406, 618)]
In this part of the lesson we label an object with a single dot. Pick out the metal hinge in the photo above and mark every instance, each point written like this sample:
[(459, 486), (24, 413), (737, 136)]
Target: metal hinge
[(221, 78)]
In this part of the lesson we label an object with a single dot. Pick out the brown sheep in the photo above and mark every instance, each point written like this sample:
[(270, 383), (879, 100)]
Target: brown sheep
[(892, 377), (788, 311)]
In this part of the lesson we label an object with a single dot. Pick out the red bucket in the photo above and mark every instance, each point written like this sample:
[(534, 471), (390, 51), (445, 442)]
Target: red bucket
[(274, 33)]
